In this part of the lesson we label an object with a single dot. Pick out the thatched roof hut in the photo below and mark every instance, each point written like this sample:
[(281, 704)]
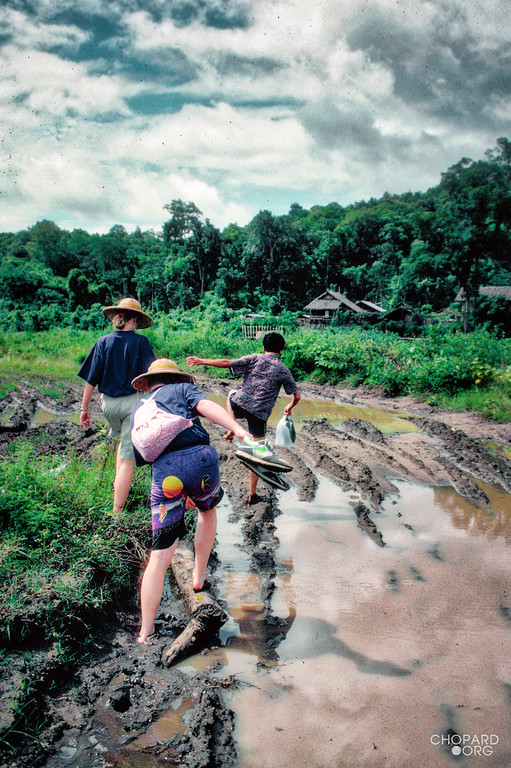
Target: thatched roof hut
[(493, 291), (331, 302)]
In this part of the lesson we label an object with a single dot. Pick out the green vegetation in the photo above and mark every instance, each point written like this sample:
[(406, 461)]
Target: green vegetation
[(58, 352), (66, 565), (65, 557), (451, 369), (415, 249), (65, 560), (438, 362), (447, 367)]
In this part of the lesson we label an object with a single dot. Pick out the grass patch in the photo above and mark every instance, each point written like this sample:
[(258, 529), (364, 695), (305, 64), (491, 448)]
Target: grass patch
[(64, 558), (493, 402), (66, 565), (471, 369), (439, 366), (56, 353), (57, 394), (6, 387)]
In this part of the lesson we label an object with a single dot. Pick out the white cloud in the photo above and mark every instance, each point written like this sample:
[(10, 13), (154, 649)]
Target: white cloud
[(147, 194), (27, 34), (318, 101), (46, 84)]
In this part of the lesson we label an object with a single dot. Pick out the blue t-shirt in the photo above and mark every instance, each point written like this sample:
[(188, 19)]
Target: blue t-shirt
[(179, 398), (115, 360), (263, 376)]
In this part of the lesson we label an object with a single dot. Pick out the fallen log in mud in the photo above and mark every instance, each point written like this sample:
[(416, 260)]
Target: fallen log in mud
[(206, 616)]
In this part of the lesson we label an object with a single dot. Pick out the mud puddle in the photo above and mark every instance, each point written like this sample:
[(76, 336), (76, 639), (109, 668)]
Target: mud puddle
[(370, 606), (387, 420), (377, 652), (391, 647)]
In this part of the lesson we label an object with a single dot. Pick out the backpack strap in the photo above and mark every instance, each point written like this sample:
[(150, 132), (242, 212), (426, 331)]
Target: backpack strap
[(153, 393)]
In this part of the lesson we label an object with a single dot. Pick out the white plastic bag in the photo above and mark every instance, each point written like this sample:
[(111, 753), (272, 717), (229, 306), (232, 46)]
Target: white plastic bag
[(286, 433)]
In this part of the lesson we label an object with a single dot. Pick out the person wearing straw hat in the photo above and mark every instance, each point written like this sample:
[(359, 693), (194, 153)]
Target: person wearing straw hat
[(187, 468), (112, 363)]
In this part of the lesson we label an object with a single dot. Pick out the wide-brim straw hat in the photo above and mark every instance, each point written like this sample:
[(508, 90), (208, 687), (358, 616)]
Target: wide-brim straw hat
[(161, 368), (131, 305)]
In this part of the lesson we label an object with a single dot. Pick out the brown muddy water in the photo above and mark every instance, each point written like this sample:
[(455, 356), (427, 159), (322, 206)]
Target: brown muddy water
[(384, 653), (389, 421)]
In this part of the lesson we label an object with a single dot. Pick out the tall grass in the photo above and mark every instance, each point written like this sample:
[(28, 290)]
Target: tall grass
[(59, 353), (436, 363), (56, 353), (64, 555)]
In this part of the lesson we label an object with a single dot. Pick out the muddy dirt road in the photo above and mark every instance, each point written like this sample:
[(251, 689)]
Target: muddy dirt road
[(370, 607)]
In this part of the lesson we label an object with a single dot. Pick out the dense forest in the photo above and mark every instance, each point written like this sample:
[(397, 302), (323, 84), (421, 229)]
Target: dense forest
[(415, 249)]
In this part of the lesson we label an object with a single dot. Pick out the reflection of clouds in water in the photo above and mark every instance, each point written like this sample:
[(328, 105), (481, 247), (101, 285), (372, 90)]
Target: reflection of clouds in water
[(492, 521), (421, 620)]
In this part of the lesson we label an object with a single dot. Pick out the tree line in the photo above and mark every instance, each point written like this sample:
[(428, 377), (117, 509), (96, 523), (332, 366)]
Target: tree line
[(418, 249)]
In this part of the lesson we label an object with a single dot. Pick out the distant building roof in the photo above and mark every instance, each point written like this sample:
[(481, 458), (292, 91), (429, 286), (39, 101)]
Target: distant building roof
[(495, 291), (371, 306), (334, 300), (401, 312)]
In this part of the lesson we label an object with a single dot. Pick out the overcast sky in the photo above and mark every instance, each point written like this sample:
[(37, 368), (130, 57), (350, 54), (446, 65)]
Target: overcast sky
[(111, 108)]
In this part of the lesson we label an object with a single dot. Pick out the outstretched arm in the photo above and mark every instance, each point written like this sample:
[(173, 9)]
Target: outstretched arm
[(219, 415), (217, 363), (289, 407)]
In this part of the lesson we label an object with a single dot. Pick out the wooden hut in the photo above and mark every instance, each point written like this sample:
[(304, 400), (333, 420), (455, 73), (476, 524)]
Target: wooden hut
[(321, 310)]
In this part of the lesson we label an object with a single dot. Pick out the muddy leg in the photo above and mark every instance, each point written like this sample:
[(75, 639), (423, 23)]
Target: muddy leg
[(252, 479), (152, 588), (229, 435), (203, 543), (122, 482)]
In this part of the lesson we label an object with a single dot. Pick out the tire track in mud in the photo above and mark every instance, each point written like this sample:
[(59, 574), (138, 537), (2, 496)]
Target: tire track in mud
[(467, 455)]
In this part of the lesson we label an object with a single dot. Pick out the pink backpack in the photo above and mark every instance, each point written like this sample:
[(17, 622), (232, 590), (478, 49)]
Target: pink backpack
[(154, 429)]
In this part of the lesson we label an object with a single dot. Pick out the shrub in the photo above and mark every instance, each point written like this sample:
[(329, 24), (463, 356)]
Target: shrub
[(61, 559)]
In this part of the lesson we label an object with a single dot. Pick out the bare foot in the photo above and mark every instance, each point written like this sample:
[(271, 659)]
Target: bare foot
[(198, 581), (145, 637), (229, 436)]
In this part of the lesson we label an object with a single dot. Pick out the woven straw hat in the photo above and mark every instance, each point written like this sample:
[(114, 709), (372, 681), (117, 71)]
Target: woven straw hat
[(162, 368), (131, 305)]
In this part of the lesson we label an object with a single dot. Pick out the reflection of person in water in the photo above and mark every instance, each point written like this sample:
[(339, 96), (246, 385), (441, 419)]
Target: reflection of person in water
[(262, 635)]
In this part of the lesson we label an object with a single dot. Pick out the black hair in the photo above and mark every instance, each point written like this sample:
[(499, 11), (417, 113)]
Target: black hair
[(273, 342)]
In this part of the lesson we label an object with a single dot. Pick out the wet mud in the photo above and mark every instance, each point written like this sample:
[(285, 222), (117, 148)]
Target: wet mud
[(125, 707)]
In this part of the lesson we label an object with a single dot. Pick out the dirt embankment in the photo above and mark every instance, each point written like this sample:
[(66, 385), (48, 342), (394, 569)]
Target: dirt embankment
[(102, 709)]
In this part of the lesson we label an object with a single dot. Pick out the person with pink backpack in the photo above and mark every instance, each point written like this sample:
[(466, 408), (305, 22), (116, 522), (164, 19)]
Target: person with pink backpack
[(186, 467)]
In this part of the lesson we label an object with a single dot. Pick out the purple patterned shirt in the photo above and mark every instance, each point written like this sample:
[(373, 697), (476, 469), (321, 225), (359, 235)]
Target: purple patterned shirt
[(263, 376)]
